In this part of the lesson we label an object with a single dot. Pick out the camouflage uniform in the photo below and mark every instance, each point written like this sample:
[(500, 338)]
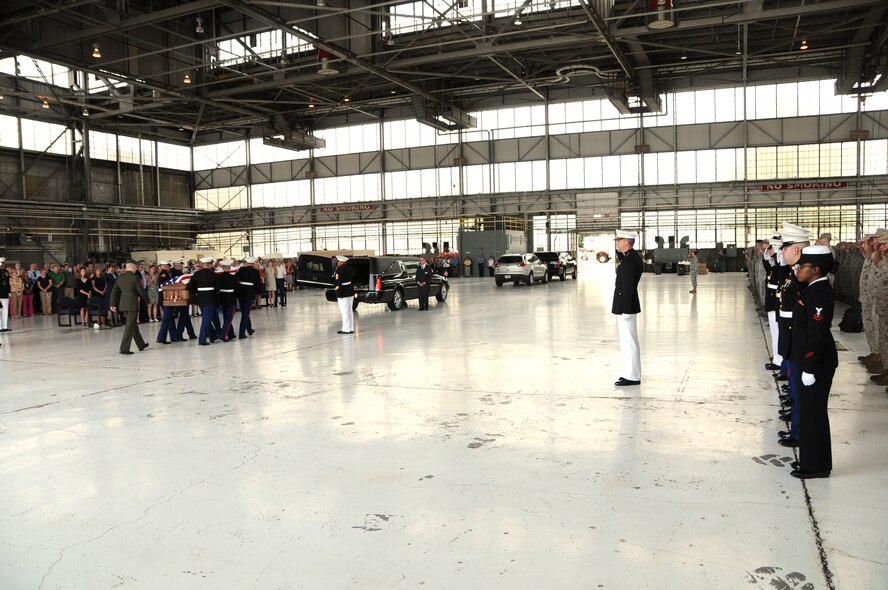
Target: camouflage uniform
[(866, 305), (879, 297)]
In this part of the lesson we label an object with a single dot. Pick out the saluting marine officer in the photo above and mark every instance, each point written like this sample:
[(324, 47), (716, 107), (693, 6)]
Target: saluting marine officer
[(345, 294), (203, 286), (249, 282), (626, 306), (227, 300), (795, 239), (814, 354)]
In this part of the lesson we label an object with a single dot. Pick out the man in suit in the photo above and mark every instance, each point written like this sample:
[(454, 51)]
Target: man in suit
[(626, 307), (125, 296), (345, 294), (423, 281)]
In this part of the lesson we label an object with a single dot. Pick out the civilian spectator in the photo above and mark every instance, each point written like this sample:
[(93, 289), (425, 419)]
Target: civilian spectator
[(83, 290), (28, 296), (44, 287), (16, 288), (34, 274), (280, 271), (491, 264), (153, 296), (70, 276), (482, 262), (98, 286), (57, 276), (291, 275)]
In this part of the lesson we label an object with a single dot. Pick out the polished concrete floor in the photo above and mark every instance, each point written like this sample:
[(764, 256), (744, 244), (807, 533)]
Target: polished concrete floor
[(479, 445)]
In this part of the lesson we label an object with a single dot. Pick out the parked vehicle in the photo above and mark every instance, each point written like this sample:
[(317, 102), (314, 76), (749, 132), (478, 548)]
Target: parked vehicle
[(520, 268), (602, 257), (314, 271), (390, 280), (559, 264)]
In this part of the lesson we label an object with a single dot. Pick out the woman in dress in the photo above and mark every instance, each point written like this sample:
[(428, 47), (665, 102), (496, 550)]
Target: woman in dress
[(813, 353), (152, 289), (271, 282), (98, 285), (82, 291)]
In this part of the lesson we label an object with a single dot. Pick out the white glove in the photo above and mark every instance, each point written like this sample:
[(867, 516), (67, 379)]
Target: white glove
[(808, 379)]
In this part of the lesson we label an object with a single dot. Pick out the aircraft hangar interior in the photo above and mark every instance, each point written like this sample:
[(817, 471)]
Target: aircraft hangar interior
[(645, 238)]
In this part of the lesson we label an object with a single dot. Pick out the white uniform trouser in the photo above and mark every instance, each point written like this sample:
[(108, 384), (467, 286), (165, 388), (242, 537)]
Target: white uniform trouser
[(775, 335), (629, 349), (348, 317), (4, 314)]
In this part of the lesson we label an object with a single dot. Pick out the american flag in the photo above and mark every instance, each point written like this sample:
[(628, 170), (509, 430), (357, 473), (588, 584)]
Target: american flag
[(179, 279)]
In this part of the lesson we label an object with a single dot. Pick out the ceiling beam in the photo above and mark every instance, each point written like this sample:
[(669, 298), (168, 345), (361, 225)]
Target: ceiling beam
[(125, 25), (752, 12)]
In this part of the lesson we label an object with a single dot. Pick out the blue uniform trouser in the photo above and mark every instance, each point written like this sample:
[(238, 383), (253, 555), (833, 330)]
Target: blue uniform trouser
[(227, 317), (795, 385), (184, 325), (166, 323), (207, 313), (215, 326), (246, 304)]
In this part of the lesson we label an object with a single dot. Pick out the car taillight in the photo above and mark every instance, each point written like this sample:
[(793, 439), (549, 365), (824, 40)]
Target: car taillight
[(559, 264), (522, 265)]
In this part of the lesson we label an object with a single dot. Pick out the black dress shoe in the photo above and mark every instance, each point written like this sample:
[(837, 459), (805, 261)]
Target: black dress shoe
[(251, 332), (141, 348), (624, 382), (794, 465), (340, 332), (203, 343), (808, 474), (127, 352), (788, 442), (772, 367), (785, 416), (781, 378), (782, 433), (784, 388), (161, 341)]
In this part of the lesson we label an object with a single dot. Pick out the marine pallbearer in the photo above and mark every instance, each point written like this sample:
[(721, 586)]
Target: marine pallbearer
[(203, 285)]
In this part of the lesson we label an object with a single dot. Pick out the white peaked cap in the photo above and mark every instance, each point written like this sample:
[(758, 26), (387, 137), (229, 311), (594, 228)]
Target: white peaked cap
[(164, 262), (816, 250), (342, 258), (622, 234), (250, 259), (227, 262), (207, 259), (793, 234)]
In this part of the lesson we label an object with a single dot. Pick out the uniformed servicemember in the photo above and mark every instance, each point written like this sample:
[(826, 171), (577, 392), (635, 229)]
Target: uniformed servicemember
[(626, 306), (795, 239), (227, 300), (125, 296), (167, 328), (879, 285), (249, 282), (203, 286), (867, 248), (693, 267), (772, 274), (814, 356), (345, 293)]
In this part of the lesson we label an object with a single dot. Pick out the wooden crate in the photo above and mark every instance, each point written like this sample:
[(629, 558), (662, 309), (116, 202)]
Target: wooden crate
[(701, 268), (176, 295)]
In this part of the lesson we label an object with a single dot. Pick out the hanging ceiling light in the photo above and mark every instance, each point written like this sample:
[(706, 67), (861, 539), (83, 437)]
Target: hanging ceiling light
[(326, 69), (96, 52), (320, 3), (517, 21), (45, 104), (804, 45), (199, 28), (346, 99), (311, 105), (85, 112), (663, 18), (187, 79)]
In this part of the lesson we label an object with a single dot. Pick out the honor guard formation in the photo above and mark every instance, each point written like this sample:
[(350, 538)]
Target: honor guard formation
[(795, 281)]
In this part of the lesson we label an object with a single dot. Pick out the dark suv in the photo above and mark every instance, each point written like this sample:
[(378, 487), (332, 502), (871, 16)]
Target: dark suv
[(397, 278), (559, 264)]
